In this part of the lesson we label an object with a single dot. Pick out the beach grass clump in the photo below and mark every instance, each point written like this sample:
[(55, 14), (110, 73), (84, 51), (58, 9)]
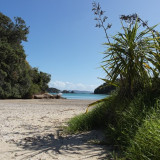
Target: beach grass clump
[(135, 128), (82, 122), (146, 143), (127, 124), (94, 119), (124, 118)]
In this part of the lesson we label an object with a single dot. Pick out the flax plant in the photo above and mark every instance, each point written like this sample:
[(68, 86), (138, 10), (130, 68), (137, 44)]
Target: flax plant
[(154, 54), (129, 55), (126, 58)]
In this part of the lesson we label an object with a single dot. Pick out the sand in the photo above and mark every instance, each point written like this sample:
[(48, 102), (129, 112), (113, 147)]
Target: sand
[(31, 130)]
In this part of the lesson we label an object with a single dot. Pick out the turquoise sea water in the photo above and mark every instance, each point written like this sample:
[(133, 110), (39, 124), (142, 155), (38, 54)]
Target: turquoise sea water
[(84, 96)]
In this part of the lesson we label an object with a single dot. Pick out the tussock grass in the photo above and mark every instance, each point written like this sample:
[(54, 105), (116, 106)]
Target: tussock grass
[(126, 117), (94, 119), (131, 125), (146, 143)]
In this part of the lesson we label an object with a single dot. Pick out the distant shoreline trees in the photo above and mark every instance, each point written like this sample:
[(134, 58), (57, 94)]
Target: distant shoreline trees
[(104, 89), (17, 78), (53, 90)]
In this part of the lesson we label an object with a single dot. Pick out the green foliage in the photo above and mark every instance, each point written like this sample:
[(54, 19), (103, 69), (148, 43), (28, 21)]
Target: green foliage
[(145, 145), (16, 76), (126, 58), (92, 120), (53, 90), (125, 118), (127, 123), (130, 117), (130, 53), (40, 78), (104, 89)]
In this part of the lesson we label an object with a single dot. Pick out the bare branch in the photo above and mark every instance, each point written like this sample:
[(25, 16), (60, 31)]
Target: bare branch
[(100, 18)]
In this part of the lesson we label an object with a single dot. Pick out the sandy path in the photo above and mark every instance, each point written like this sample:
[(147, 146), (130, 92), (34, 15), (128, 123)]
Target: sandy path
[(30, 130)]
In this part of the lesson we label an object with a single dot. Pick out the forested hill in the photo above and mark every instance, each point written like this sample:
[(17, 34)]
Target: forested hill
[(53, 90), (17, 78), (104, 89)]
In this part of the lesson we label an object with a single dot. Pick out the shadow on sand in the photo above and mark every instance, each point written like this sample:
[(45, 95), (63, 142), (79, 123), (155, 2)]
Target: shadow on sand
[(54, 144)]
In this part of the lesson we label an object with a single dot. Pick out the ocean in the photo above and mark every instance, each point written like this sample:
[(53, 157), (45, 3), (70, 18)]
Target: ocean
[(83, 96)]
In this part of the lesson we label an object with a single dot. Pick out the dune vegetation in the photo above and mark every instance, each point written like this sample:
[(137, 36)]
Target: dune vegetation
[(129, 117)]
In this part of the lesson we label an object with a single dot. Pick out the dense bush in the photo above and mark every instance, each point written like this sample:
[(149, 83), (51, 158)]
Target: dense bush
[(17, 78)]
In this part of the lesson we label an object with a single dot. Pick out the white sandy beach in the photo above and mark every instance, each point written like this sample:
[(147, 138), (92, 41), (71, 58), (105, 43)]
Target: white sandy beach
[(31, 130)]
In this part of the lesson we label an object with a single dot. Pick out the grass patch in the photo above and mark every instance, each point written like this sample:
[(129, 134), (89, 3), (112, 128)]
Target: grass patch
[(94, 119), (131, 126), (125, 119), (146, 143)]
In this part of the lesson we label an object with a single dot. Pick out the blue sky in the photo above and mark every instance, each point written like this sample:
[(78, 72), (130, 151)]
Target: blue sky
[(63, 40)]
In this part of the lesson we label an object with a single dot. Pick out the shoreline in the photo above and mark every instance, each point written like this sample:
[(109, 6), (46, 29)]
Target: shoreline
[(30, 129)]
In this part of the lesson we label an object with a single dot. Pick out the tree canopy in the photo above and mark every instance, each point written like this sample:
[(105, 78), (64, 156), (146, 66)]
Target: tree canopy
[(17, 78)]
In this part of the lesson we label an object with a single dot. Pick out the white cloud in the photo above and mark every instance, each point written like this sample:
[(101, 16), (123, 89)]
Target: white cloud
[(71, 86)]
